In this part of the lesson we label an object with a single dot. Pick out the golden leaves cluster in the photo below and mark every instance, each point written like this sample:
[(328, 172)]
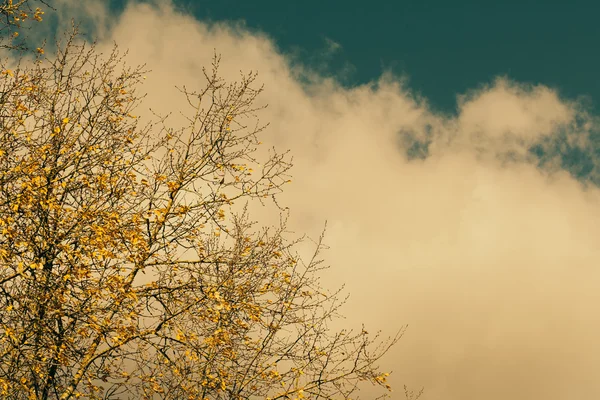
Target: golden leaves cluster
[(124, 270), (14, 16)]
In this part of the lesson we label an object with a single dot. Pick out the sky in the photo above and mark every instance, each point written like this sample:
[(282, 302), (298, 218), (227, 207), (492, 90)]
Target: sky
[(444, 47), (452, 152)]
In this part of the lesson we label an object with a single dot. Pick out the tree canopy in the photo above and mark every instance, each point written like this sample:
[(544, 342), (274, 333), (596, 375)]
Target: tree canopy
[(126, 271)]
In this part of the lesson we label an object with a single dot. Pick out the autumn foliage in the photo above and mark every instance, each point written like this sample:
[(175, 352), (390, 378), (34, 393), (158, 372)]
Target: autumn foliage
[(125, 271), (15, 16)]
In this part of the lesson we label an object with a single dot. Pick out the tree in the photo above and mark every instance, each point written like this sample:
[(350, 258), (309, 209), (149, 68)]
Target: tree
[(124, 272)]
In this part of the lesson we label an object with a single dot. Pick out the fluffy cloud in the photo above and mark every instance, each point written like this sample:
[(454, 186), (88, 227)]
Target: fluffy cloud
[(508, 108), (492, 261)]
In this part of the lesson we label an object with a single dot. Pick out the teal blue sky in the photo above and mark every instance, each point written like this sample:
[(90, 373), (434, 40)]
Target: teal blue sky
[(441, 49), (444, 48)]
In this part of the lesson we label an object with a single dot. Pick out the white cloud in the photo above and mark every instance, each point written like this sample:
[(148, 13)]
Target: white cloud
[(509, 108), (332, 45)]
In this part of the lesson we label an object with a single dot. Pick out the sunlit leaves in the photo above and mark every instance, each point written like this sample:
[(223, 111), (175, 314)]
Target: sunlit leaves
[(124, 269), (15, 15)]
